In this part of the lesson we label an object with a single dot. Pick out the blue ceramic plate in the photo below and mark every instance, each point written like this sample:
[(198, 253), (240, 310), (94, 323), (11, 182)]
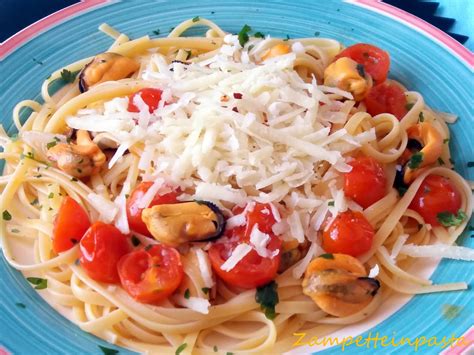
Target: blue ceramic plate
[(423, 59)]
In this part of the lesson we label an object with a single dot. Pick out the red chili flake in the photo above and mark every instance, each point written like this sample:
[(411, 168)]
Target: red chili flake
[(235, 109), (237, 95)]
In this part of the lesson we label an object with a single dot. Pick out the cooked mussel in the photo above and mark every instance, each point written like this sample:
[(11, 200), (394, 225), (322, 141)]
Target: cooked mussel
[(106, 67), (178, 223), (339, 284)]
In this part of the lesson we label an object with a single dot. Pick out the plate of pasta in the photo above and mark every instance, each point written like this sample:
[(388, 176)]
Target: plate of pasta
[(234, 178)]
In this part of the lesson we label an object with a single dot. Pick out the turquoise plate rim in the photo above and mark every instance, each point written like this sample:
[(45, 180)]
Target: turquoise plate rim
[(27, 59)]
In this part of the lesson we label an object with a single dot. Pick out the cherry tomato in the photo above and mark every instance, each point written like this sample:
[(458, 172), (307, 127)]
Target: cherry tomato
[(366, 183), (150, 96), (134, 213), (435, 195), (100, 250), (350, 233), (253, 270), (70, 225), (387, 97), (376, 61), (151, 274)]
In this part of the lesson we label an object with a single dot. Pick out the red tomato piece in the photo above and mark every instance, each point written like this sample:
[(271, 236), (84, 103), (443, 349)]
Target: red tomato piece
[(134, 213), (435, 195), (150, 96), (366, 183), (386, 98), (101, 249), (70, 225), (151, 274), (350, 233), (253, 270), (376, 61)]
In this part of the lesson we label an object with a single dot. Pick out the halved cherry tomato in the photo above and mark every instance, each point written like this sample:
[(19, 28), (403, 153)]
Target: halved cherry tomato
[(70, 225), (436, 195), (366, 182), (350, 233), (387, 97), (253, 270), (100, 250), (134, 213), (151, 274), (150, 96), (376, 61)]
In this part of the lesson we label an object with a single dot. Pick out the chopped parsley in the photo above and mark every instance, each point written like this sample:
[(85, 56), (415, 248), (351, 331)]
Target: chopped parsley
[(205, 290), (29, 155), (188, 54), (441, 161), (421, 117), (287, 38), (402, 190), (331, 203), (38, 282), (156, 32), (51, 144), (229, 353), (244, 35), (259, 35), (215, 348), (135, 241), (14, 230), (267, 297), (187, 294), (446, 140), (51, 195), (451, 311), (108, 351), (181, 348), (67, 76), (196, 19), (415, 160), (6, 216), (34, 202), (449, 219), (361, 70), (21, 305), (409, 106), (326, 256), (74, 179)]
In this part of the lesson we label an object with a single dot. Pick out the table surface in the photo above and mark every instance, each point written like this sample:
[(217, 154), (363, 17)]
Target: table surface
[(18, 14)]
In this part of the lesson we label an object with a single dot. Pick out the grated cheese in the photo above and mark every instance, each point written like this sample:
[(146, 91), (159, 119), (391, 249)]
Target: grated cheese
[(197, 304), (259, 241), (204, 267), (106, 208), (238, 254), (438, 251)]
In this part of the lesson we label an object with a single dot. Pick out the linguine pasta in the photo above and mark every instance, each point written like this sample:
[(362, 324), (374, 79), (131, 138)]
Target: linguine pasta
[(289, 150)]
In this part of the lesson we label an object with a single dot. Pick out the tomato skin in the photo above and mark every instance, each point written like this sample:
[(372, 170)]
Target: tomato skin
[(151, 274), (435, 195), (150, 96), (350, 233), (134, 213), (100, 250), (387, 97), (376, 61), (70, 225), (366, 183), (253, 270)]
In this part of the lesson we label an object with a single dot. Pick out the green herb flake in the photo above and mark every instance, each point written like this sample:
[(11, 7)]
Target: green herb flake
[(267, 297), (259, 35), (14, 230), (446, 140), (287, 38), (326, 256), (317, 33), (6, 216), (421, 117), (67, 76), (244, 35), (51, 195), (196, 19), (187, 294), (74, 179), (34, 202), (361, 70), (449, 219), (181, 348), (108, 351), (415, 160), (205, 290), (39, 283), (229, 353), (148, 247), (470, 164), (451, 311), (401, 190), (215, 348), (135, 241), (156, 32), (331, 203), (51, 144), (20, 305), (441, 161), (188, 54), (409, 106)]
